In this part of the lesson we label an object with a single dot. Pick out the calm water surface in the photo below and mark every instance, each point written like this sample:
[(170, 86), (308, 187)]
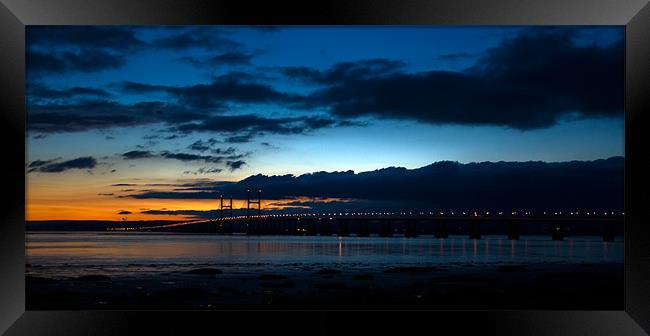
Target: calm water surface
[(66, 251)]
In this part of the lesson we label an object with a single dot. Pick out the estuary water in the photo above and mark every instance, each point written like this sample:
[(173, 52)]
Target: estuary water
[(128, 253)]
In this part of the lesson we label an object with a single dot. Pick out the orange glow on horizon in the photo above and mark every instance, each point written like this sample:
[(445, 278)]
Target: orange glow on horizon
[(54, 199)]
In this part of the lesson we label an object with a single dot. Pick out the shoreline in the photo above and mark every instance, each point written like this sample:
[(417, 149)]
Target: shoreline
[(492, 286)]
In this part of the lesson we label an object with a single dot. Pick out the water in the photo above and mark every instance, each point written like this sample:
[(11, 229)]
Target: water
[(69, 253)]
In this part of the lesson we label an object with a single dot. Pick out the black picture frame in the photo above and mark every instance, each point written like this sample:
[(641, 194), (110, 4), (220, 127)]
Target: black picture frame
[(16, 14)]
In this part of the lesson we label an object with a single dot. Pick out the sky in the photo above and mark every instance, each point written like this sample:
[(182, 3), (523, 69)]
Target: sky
[(130, 123)]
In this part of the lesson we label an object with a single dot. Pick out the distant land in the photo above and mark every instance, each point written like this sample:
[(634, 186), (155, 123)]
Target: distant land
[(89, 225)]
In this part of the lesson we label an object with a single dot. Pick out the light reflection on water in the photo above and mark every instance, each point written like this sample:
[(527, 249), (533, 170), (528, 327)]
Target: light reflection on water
[(120, 249)]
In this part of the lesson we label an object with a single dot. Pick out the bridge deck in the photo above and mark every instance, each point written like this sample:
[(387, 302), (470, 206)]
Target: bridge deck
[(287, 222)]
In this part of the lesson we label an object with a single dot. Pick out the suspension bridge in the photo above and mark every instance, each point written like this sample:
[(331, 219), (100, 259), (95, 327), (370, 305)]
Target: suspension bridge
[(440, 224)]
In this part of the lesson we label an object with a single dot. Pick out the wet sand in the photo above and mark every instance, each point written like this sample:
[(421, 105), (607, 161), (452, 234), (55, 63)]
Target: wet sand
[(582, 286)]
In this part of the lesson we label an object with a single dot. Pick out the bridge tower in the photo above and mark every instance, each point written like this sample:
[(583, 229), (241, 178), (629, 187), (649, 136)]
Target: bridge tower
[(229, 206), (249, 202)]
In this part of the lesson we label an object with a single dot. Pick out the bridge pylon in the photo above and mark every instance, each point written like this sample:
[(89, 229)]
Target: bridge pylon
[(229, 206), (249, 202)]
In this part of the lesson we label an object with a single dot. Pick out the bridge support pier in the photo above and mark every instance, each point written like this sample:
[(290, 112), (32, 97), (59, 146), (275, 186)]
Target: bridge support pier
[(440, 230), (411, 230), (343, 228), (475, 231), (362, 229), (608, 232), (325, 227), (311, 230), (513, 230), (557, 232), (385, 229), (293, 227)]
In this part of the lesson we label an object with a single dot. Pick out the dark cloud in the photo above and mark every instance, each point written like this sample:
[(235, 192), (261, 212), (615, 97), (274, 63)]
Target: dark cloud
[(232, 58), (65, 49), (533, 80), (123, 185), (40, 163), (240, 138), (87, 162), (137, 155), (147, 144), (103, 114), (193, 213), (208, 38), (586, 185), (124, 212), (234, 165), (227, 151), (204, 170), (202, 146), (192, 157), (113, 38), (37, 91), (85, 60), (316, 123), (187, 157), (218, 94), (251, 124), (228, 58), (175, 195), (346, 71), (454, 56)]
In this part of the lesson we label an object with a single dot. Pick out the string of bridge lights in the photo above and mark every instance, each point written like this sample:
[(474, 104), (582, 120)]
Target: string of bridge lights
[(431, 213)]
